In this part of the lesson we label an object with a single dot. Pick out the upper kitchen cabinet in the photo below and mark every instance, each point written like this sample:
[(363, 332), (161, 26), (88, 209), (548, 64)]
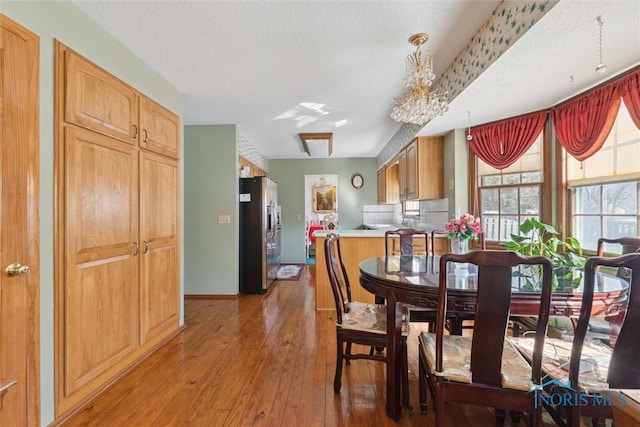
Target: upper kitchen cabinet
[(98, 101), (421, 169), (159, 129), (388, 188)]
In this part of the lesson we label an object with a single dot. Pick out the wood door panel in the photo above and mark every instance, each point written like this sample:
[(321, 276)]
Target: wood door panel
[(19, 225), (98, 101), (160, 291), (101, 271), (101, 318), (158, 199), (412, 171), (160, 129), (159, 275), (101, 195)]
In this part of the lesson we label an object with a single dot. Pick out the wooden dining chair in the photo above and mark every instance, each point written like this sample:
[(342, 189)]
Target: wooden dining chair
[(358, 322), (410, 242), (586, 364), (484, 369), (609, 327)]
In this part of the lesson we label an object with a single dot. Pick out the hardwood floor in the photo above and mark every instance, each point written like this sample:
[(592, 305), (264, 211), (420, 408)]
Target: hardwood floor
[(260, 360)]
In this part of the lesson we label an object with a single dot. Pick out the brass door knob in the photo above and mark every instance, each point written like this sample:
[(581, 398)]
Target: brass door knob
[(16, 269)]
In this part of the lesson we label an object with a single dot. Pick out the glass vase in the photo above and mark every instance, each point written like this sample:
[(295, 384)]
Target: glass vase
[(460, 247)]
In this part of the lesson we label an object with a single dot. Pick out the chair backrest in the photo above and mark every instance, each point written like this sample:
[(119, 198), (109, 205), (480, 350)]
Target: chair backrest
[(494, 285), (624, 369), (330, 221), (406, 239), (628, 244), (337, 272)]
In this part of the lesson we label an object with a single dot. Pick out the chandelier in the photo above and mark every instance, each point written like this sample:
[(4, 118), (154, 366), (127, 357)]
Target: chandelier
[(420, 103)]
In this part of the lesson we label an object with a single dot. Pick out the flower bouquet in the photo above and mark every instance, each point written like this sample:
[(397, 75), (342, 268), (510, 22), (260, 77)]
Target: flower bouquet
[(465, 228)]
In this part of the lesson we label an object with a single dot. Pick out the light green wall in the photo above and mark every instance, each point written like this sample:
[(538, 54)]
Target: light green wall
[(289, 174), (211, 189), (63, 21), (456, 171)]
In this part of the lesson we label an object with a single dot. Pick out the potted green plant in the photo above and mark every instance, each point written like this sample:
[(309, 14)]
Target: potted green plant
[(538, 238)]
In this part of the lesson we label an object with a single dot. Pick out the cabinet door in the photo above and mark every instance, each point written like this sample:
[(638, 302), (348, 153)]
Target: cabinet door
[(159, 275), (382, 187), (412, 170), (101, 267), (402, 174), (98, 101), (159, 129)]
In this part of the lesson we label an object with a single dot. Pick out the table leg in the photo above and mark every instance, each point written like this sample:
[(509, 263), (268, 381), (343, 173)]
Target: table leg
[(394, 357)]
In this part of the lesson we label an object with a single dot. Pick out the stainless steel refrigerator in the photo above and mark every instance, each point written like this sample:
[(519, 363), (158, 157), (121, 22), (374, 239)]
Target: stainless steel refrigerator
[(260, 234)]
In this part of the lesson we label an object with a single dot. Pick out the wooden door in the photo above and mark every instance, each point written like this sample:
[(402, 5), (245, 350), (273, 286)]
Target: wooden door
[(159, 274), (159, 128), (98, 101), (101, 269), (19, 222), (412, 170)]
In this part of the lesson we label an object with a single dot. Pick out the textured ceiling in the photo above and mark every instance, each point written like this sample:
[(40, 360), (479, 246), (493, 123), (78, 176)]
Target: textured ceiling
[(279, 68)]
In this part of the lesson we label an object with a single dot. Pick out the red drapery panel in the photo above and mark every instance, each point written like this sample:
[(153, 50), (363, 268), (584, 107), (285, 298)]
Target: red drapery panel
[(583, 125), (630, 90), (501, 144)]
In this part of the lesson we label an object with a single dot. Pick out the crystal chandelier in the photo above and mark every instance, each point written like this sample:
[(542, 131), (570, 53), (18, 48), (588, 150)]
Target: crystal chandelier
[(420, 103)]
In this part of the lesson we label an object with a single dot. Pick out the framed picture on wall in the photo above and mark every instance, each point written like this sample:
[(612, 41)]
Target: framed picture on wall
[(324, 198)]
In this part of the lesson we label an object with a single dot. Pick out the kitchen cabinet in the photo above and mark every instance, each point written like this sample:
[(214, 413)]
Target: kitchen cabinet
[(382, 185), (421, 169), (117, 228), (253, 169), (388, 188)]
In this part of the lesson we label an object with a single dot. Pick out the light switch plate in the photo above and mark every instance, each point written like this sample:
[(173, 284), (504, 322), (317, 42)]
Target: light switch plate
[(224, 219)]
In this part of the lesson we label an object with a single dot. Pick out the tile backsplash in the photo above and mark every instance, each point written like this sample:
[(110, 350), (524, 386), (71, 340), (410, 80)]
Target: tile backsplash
[(434, 211), (434, 214)]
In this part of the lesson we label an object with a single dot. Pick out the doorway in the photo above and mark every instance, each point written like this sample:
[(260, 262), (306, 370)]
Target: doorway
[(321, 209)]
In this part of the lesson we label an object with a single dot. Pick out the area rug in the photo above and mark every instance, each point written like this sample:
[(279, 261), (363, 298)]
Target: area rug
[(291, 272)]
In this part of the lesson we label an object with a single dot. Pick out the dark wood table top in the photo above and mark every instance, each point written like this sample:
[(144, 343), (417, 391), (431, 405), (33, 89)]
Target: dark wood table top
[(414, 280)]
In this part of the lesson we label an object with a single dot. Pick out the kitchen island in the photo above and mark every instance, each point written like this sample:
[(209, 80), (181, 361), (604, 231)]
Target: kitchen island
[(357, 245)]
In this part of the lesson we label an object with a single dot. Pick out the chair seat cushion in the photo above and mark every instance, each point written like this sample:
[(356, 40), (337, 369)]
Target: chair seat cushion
[(594, 364), (368, 317), (516, 372)]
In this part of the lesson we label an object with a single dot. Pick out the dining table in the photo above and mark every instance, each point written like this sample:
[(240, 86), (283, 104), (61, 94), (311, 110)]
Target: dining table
[(399, 280)]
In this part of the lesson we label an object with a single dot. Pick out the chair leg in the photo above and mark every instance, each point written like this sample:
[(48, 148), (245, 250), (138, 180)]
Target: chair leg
[(440, 415), (500, 415), (405, 376), (337, 380), (348, 353), (422, 384)]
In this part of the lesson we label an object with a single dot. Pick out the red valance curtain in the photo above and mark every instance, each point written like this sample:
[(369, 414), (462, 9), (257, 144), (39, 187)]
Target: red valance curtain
[(630, 90), (583, 125), (501, 144)]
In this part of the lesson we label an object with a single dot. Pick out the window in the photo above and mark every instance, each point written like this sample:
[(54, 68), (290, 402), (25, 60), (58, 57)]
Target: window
[(411, 208), (509, 196), (604, 190)]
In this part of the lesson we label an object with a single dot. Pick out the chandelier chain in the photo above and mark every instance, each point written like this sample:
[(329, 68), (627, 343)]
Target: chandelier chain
[(601, 67)]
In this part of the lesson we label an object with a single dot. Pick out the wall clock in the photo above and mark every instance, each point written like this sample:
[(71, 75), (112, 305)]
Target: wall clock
[(357, 181)]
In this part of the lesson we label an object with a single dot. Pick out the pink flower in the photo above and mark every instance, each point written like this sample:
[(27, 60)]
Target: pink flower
[(464, 228)]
